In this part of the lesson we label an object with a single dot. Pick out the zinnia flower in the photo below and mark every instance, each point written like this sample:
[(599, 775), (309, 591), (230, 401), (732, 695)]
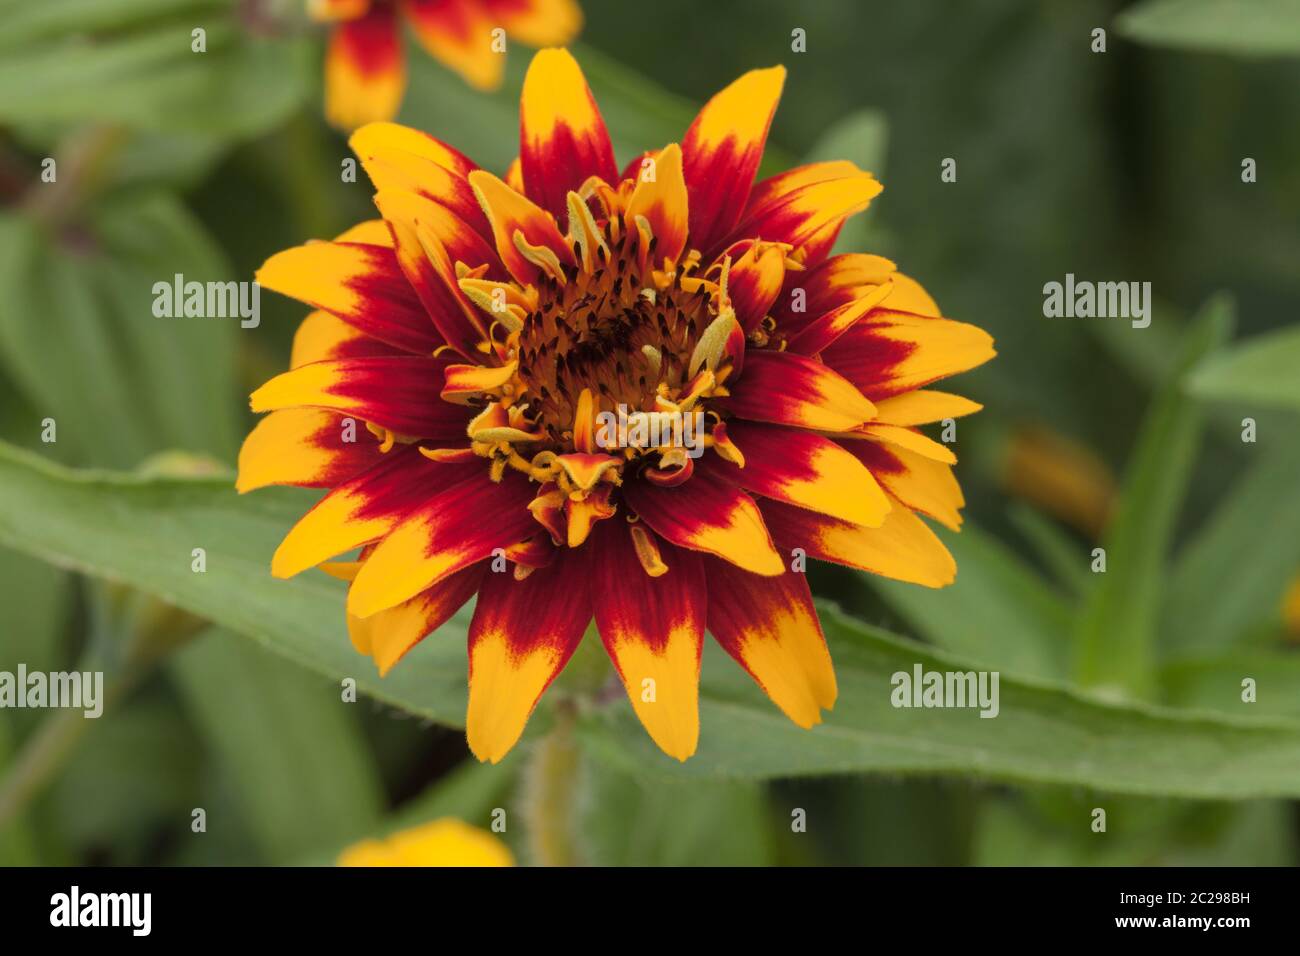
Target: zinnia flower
[(443, 842), (365, 68), (483, 329)]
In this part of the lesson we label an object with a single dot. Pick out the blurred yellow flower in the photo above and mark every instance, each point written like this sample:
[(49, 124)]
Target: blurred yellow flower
[(443, 842), (1061, 476), (365, 66), (1291, 608)]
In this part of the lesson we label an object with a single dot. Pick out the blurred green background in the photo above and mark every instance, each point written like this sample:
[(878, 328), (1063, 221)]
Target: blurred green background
[(1120, 691)]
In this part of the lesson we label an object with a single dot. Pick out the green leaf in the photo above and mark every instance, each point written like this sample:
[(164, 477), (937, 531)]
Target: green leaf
[(678, 823), (131, 63), (141, 530), (875, 821), (1058, 550), (1011, 832), (1116, 634), (1044, 732), (862, 138), (1257, 527), (1263, 370), (1213, 682), (119, 382), (17, 836), (998, 612), (1244, 27), (286, 740), (128, 808), (33, 609)]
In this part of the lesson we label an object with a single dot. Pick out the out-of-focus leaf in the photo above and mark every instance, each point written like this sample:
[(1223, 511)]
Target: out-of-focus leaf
[(79, 337), (33, 598), (875, 821), (1255, 531), (1116, 634), (631, 821), (1139, 833), (286, 738), (1244, 27), (33, 609), (132, 63), (17, 838), (998, 612), (142, 530), (1044, 732), (861, 138), (1263, 369), (1054, 546), (139, 763)]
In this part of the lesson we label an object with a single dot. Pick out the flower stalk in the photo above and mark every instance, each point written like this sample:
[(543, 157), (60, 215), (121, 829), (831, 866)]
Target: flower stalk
[(552, 788)]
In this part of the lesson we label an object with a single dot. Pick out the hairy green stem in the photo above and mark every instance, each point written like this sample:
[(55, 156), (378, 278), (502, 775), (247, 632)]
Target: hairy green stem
[(552, 792)]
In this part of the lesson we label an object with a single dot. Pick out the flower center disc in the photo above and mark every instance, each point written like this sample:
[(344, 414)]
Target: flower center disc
[(616, 331)]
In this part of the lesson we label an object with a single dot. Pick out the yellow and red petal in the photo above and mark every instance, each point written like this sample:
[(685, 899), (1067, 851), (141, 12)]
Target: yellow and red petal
[(910, 438), (454, 527), (707, 514), (908, 296), (787, 389), (511, 213), (371, 232), (804, 469), (329, 11), (357, 511), (400, 393), (769, 625), (365, 71), (400, 158), (386, 637), (310, 447), (522, 635), (662, 200), (795, 206), (537, 23), (653, 629), (458, 33), (321, 337), (819, 245), (754, 280), (821, 333), (464, 382), (921, 483), (888, 352), (903, 548), (387, 140), (835, 282), (562, 138), (922, 406), (514, 177), (361, 284), (430, 239), (722, 150)]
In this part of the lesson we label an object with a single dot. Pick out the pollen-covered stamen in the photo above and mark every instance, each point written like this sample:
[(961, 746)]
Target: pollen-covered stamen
[(611, 329), (625, 335)]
